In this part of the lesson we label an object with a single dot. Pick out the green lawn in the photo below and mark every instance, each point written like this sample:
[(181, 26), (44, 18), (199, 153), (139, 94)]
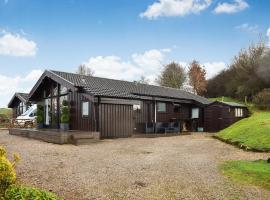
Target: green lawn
[(225, 99), (252, 133), (248, 172), (6, 111)]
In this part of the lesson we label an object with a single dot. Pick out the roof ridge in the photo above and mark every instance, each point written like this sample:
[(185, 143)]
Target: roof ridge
[(132, 82)]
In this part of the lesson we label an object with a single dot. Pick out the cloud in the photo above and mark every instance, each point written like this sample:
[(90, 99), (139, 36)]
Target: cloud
[(213, 68), (268, 35), (147, 64), (33, 75), (112, 67), (248, 28), (9, 85), (16, 45), (151, 59), (168, 8), (235, 6)]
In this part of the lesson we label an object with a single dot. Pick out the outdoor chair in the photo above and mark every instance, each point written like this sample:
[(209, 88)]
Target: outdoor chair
[(149, 127), (160, 127)]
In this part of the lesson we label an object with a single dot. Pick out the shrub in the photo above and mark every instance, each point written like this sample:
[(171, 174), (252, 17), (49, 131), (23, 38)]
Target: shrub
[(65, 103), (7, 172), (65, 112), (262, 100), (15, 192), (40, 114)]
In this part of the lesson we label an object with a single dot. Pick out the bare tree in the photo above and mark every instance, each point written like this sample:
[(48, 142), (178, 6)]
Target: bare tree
[(173, 75), (197, 77), (143, 80), (84, 70)]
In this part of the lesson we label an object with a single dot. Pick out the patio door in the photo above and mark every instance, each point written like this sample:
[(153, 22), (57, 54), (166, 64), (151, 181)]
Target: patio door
[(51, 113)]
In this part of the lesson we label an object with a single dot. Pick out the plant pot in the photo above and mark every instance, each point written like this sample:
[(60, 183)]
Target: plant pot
[(64, 126), (39, 125)]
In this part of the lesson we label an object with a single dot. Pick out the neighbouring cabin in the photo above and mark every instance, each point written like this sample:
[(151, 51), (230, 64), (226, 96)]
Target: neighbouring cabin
[(220, 115), (19, 104), (114, 108)]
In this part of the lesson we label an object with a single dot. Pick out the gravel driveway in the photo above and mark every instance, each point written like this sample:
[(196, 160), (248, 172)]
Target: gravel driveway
[(180, 167)]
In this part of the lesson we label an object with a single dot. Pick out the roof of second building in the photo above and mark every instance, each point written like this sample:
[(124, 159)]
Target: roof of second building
[(23, 97), (232, 104), (119, 88)]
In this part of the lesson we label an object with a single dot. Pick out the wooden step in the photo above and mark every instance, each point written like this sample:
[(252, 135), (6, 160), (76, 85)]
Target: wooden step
[(84, 138)]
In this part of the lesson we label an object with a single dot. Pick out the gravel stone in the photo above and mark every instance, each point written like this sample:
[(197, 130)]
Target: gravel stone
[(179, 167)]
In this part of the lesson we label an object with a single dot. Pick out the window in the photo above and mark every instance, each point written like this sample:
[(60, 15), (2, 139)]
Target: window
[(85, 109), (63, 90), (238, 112), (161, 107), (136, 107), (195, 113)]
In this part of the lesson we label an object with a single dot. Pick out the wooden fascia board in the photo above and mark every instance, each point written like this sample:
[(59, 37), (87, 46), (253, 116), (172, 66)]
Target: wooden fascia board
[(54, 77), (119, 101)]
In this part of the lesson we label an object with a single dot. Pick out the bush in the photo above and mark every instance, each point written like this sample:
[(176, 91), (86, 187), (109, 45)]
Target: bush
[(262, 100), (65, 103), (40, 114), (15, 192), (7, 172)]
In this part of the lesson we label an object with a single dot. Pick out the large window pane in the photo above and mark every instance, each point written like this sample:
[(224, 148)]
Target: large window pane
[(195, 113), (161, 107), (63, 90), (85, 109)]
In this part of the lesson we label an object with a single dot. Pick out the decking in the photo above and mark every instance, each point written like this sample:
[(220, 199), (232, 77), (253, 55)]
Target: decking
[(57, 136)]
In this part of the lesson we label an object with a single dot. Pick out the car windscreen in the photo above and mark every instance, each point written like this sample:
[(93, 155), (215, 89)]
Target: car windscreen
[(28, 111)]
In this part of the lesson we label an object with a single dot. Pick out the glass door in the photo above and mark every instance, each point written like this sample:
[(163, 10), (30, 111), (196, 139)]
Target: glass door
[(47, 112)]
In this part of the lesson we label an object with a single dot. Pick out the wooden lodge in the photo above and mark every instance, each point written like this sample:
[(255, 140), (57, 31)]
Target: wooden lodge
[(19, 104), (117, 108)]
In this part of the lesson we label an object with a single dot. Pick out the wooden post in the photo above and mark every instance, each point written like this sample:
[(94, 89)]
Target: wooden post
[(155, 117)]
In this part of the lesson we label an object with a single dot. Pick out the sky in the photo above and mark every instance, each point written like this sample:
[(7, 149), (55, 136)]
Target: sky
[(122, 39)]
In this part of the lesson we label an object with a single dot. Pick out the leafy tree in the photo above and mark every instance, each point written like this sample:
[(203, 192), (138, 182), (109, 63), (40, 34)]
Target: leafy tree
[(84, 70), (197, 77), (173, 75), (247, 75)]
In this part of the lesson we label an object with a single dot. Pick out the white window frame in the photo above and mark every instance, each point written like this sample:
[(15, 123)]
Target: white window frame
[(159, 106), (195, 113), (238, 112), (85, 109)]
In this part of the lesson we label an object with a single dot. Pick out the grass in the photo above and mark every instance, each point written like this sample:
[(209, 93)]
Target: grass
[(248, 172), (251, 133), (226, 99), (5, 115), (5, 111)]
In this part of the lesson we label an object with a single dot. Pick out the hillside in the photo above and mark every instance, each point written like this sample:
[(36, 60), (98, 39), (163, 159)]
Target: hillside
[(252, 133), (6, 111)]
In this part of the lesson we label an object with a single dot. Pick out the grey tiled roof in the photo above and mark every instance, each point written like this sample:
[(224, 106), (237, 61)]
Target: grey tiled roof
[(24, 96), (118, 88)]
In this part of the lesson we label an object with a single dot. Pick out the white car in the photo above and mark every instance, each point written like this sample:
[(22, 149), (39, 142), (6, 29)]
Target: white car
[(28, 118)]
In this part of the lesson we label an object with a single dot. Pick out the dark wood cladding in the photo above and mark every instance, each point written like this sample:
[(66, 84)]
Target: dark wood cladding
[(115, 120), (171, 115), (219, 116), (147, 113), (77, 121)]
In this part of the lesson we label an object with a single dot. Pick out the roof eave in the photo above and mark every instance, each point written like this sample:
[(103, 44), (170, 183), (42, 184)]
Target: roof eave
[(56, 78)]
